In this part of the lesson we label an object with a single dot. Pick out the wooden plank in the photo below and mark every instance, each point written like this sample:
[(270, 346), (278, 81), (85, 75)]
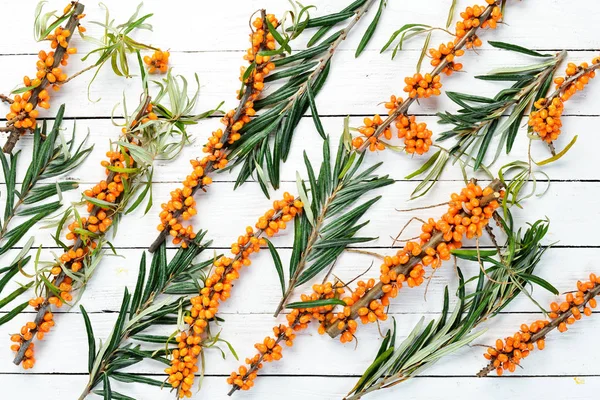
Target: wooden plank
[(309, 346)]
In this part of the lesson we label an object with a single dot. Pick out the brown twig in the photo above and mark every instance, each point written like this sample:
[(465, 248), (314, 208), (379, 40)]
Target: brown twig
[(72, 23), (376, 292), (541, 334), (6, 99)]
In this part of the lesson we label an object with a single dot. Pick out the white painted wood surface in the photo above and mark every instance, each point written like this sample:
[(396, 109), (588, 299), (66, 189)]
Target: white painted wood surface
[(212, 45)]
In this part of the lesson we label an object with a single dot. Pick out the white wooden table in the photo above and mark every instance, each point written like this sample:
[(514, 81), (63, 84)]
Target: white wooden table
[(210, 38)]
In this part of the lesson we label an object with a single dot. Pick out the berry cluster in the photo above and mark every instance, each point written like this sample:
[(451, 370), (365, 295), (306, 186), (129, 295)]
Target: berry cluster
[(181, 207), (545, 118), (217, 288), (158, 62), (29, 330), (508, 353)]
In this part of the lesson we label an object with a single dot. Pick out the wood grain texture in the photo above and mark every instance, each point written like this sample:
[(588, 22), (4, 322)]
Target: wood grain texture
[(318, 368)]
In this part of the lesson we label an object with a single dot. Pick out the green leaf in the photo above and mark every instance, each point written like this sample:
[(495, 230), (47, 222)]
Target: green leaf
[(282, 42), (107, 390), (304, 198), (540, 282), (518, 49), (278, 265), (314, 111), (370, 30), (558, 155), (13, 313), (91, 340), (423, 51), (16, 293), (316, 303)]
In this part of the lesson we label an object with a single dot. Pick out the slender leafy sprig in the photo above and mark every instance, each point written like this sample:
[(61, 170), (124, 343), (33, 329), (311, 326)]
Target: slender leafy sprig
[(322, 234), (481, 119), (409, 31), (506, 276), (157, 299), (116, 43), (266, 140)]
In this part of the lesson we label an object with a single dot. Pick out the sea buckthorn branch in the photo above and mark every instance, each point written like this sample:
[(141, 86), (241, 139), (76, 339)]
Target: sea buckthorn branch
[(145, 138), (545, 116), (153, 300), (496, 287), (23, 113), (182, 204), (308, 70), (315, 306), (423, 86), (333, 223), (480, 119), (50, 159), (82, 231), (508, 353), (408, 264), (217, 289)]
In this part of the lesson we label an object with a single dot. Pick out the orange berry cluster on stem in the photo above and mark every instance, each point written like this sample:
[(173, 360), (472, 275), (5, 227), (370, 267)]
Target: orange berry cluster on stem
[(417, 138), (182, 205), (465, 218), (29, 330), (508, 353), (217, 288), (23, 114), (270, 348), (422, 86), (545, 118), (158, 62)]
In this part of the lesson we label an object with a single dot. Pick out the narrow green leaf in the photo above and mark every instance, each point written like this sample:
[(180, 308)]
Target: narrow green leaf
[(278, 265), (316, 303)]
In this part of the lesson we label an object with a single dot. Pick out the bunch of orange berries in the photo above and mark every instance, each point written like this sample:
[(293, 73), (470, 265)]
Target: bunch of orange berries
[(417, 138), (23, 114), (298, 319), (507, 354), (217, 288), (545, 119), (422, 86), (29, 330), (158, 62), (182, 206)]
